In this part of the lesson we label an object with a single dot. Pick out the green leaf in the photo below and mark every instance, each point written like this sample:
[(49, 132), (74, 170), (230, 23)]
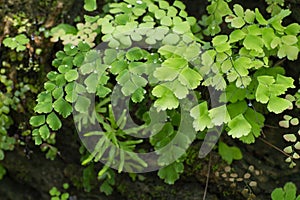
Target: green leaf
[(262, 92), (44, 132), (43, 107), (138, 95), (261, 20), (166, 98), (291, 52), (2, 155), (179, 5), (249, 16), (36, 121), (289, 39), (82, 104), (67, 29), (292, 29), (238, 22), (219, 39), (2, 172), (181, 27), (91, 83), (130, 82), (90, 5), (201, 117), (278, 105), (229, 153), (171, 172), (83, 46), (236, 35), (238, 10), (277, 194), (70, 49), (241, 64), (163, 4), (253, 42), (135, 54), (106, 188), (49, 86), (219, 115), (122, 19), (166, 21), (53, 121), (190, 78), (290, 190), (170, 69), (71, 75), (233, 94), (239, 127), (62, 107), (102, 91), (159, 14), (268, 35), (57, 92)]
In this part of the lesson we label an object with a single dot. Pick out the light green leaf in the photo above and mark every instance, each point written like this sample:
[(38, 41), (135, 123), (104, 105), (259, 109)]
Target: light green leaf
[(166, 98), (253, 42), (219, 39), (170, 69), (291, 52), (239, 127), (179, 5), (236, 35), (181, 27), (238, 10), (177, 88), (292, 29), (170, 39), (238, 22), (102, 91), (201, 117), (249, 16), (82, 104), (190, 78), (91, 83), (166, 21), (219, 115), (278, 105), (261, 20), (289, 39)]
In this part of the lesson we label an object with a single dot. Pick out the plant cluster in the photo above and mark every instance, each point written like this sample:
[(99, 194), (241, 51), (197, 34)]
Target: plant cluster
[(288, 192), (57, 195)]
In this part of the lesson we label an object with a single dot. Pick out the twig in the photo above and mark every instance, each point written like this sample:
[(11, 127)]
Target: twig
[(270, 126), (273, 146), (207, 178)]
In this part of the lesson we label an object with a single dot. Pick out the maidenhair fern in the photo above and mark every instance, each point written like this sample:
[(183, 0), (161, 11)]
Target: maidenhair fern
[(152, 53)]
